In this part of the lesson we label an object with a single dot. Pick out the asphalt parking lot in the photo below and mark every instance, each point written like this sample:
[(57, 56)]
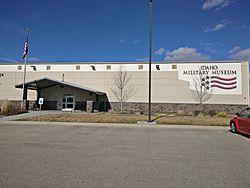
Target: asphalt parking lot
[(89, 155)]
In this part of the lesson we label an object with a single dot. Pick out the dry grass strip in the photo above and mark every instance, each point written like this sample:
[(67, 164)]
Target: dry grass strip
[(131, 118)]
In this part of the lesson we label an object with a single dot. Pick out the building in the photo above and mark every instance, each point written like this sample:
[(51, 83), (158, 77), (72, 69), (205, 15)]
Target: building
[(82, 85)]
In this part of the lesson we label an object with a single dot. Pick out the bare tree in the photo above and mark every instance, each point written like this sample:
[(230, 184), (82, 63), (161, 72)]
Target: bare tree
[(122, 90), (202, 91)]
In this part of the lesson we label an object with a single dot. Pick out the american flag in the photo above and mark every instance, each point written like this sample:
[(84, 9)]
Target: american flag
[(25, 51), (223, 83)]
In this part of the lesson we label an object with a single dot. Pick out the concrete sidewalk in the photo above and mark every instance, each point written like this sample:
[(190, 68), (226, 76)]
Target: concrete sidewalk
[(30, 114)]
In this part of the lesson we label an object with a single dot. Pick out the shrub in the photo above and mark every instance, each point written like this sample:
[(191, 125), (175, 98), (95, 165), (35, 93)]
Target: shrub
[(222, 114), (15, 109), (111, 111), (5, 107), (180, 113), (212, 113), (189, 113), (8, 108), (195, 113), (203, 113)]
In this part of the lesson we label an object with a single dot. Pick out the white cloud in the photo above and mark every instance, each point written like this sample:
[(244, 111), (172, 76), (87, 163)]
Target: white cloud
[(71, 2), (37, 17), (137, 41), (244, 27), (7, 25), (122, 41), (33, 59), (185, 54), (242, 54), (216, 4), (8, 60), (235, 49), (160, 51), (218, 26), (220, 43), (211, 44), (210, 50), (144, 59), (206, 44)]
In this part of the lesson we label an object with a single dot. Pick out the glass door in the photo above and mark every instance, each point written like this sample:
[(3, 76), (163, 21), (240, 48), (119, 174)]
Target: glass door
[(68, 101)]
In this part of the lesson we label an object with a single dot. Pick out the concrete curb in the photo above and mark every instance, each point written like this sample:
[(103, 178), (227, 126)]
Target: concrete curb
[(118, 125)]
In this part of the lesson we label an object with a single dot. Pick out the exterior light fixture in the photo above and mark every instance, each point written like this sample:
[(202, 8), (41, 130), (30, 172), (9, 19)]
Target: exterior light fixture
[(34, 68), (157, 67), (93, 67)]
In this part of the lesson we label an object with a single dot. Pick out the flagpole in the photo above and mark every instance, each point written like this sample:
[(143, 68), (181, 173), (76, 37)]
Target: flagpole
[(23, 105)]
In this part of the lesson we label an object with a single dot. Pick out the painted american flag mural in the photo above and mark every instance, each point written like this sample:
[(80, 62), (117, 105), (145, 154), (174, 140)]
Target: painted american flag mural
[(226, 83)]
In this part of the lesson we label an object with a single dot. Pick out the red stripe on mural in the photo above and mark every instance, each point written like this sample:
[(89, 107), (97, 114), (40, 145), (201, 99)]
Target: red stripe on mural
[(224, 79), (223, 83), (222, 87)]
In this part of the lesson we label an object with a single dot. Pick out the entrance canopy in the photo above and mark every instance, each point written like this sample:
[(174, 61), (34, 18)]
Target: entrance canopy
[(44, 83)]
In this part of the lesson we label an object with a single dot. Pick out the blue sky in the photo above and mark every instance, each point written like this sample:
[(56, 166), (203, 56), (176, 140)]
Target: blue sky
[(118, 30)]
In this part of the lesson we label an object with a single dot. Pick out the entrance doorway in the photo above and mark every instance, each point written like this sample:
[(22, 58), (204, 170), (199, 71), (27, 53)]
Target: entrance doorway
[(68, 101)]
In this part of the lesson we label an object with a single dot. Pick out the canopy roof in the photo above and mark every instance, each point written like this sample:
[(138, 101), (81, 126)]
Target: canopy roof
[(48, 82)]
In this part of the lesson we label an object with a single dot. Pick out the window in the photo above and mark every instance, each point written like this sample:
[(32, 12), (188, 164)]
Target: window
[(19, 67), (77, 67), (108, 67), (245, 113), (174, 66), (140, 67), (48, 67)]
